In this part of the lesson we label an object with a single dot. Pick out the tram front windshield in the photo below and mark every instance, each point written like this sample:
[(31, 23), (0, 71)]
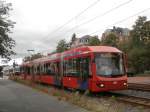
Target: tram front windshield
[(109, 64)]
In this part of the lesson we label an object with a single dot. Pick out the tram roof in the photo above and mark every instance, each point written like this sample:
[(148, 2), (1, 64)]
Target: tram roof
[(49, 57), (81, 50), (104, 49), (94, 49)]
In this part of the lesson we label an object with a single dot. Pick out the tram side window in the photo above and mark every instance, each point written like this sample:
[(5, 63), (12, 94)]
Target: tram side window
[(28, 70), (44, 69), (41, 69), (77, 67), (58, 68), (84, 68), (31, 70), (38, 69), (20, 69), (48, 69), (34, 70), (52, 68), (24, 70), (64, 68), (70, 67), (55, 68)]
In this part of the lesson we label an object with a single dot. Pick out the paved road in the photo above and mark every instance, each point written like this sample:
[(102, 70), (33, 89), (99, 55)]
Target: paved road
[(15, 97)]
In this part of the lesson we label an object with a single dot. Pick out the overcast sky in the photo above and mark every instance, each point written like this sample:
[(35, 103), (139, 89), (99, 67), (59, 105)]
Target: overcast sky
[(37, 20)]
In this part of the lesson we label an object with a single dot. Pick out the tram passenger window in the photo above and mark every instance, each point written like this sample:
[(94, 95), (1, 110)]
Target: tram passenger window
[(77, 67), (70, 68), (64, 68), (31, 70), (84, 68), (51, 69), (38, 70), (41, 69), (58, 68), (48, 71), (28, 70), (74, 71), (22, 70), (25, 70), (46, 67), (35, 70)]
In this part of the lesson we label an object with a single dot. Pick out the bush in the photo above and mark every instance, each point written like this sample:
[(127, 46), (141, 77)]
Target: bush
[(147, 72)]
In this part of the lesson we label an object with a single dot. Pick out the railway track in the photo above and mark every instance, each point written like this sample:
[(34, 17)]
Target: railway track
[(133, 97), (135, 100), (137, 86)]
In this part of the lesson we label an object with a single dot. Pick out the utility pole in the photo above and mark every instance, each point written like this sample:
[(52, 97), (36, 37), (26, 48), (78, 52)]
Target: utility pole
[(30, 54), (30, 50)]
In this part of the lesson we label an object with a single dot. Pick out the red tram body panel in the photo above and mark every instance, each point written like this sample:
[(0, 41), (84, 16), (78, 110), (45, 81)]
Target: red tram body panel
[(96, 68), (93, 82)]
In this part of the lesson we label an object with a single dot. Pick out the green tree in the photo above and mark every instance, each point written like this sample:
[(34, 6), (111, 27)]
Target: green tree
[(6, 42), (32, 57), (146, 32), (139, 45), (110, 40), (62, 46), (94, 41), (124, 46), (27, 58), (137, 32), (138, 59)]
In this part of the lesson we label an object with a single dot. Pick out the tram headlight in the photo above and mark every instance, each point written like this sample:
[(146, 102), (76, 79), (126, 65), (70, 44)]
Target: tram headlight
[(101, 85), (125, 84)]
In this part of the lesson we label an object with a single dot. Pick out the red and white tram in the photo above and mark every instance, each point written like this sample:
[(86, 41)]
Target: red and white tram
[(96, 68)]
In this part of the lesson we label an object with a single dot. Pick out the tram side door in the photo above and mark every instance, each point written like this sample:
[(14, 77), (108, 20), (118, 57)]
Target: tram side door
[(84, 73), (57, 74)]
